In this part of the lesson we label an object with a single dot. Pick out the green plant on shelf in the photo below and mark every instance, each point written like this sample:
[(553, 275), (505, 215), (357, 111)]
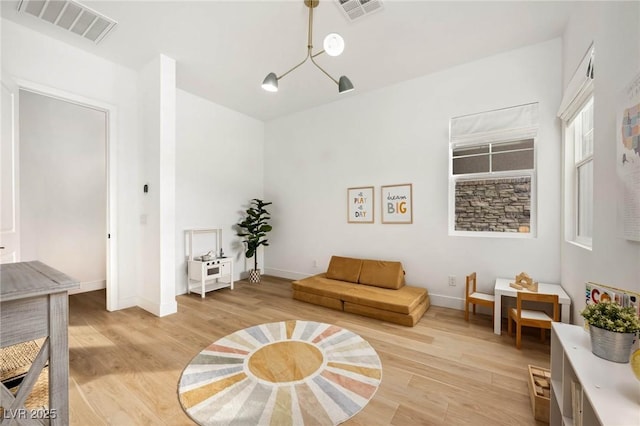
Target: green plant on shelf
[(612, 317)]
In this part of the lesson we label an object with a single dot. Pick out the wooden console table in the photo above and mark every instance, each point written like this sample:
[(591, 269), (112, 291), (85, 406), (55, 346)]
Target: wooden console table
[(34, 304)]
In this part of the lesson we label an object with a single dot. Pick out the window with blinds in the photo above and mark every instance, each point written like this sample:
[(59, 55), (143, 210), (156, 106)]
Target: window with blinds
[(492, 173)]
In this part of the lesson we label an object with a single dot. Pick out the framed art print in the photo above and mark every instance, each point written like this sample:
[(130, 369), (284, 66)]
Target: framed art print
[(397, 203), (360, 205)]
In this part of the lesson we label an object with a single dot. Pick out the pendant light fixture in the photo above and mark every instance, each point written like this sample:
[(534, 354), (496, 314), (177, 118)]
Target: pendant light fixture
[(333, 46)]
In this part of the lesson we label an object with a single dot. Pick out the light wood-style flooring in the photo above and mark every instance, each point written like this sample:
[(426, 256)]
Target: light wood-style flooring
[(125, 365)]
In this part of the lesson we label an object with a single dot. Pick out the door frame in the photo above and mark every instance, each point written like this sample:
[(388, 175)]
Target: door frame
[(12, 89), (111, 139)]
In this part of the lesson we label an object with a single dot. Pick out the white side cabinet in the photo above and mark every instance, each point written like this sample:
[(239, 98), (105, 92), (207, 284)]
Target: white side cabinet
[(585, 389), (211, 274)]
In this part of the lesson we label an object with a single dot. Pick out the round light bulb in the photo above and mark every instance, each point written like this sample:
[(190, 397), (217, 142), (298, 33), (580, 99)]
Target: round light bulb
[(333, 44)]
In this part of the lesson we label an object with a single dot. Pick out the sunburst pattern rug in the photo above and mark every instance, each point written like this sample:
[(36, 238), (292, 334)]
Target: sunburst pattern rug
[(281, 373)]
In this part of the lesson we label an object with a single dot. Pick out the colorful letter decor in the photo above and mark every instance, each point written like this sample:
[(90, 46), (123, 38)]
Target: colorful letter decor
[(596, 293), (360, 204), (396, 203)]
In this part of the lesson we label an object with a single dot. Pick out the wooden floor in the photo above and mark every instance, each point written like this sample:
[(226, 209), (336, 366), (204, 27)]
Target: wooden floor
[(125, 365)]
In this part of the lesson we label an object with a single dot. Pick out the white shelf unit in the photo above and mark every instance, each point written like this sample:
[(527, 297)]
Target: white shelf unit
[(207, 275), (610, 393)]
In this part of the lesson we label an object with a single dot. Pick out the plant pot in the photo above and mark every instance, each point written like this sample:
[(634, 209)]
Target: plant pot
[(610, 345), (254, 276)]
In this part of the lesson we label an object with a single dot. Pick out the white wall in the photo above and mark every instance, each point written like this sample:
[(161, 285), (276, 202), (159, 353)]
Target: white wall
[(399, 134), (219, 168), (614, 27), (219, 159), (393, 135), (157, 153), (33, 57), (63, 187)]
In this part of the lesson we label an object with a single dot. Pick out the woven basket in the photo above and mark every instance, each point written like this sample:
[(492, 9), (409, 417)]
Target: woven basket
[(15, 362)]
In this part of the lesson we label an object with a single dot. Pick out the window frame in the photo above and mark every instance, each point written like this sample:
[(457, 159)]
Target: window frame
[(490, 153), (490, 175), (578, 93), (574, 160)]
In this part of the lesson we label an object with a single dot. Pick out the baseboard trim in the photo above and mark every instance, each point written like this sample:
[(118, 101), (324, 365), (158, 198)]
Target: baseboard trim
[(455, 303), (168, 308), (157, 309), (281, 273), (129, 302), (89, 286), (446, 301)]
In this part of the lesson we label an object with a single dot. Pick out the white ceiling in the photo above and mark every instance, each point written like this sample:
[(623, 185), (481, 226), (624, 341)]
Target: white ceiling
[(224, 49)]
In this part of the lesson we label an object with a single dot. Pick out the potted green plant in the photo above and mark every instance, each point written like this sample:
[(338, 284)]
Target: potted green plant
[(612, 328), (254, 228)]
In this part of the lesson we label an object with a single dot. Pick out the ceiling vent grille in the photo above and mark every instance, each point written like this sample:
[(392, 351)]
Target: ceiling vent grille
[(354, 9), (71, 16)]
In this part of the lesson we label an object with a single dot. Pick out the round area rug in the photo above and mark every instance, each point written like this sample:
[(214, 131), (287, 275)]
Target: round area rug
[(281, 373)]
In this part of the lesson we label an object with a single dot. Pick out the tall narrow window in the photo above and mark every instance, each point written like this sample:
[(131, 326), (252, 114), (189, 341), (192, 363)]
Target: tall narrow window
[(583, 164), (576, 111)]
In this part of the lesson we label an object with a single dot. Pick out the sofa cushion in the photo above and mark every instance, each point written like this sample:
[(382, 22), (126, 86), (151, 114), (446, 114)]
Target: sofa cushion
[(323, 286), (402, 301), (344, 269), (409, 319), (381, 273), (328, 302)]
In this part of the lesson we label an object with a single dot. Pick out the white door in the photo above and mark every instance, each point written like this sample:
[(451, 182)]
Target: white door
[(9, 174)]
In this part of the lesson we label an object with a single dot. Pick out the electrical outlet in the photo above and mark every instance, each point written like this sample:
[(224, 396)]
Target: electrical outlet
[(452, 280), (315, 263)]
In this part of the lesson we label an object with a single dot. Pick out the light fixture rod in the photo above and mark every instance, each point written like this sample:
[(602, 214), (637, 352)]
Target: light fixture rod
[(310, 46), (325, 73), (311, 4), (310, 41), (295, 67)]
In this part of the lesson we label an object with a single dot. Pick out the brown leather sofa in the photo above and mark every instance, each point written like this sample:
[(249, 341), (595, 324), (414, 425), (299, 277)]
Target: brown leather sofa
[(373, 288)]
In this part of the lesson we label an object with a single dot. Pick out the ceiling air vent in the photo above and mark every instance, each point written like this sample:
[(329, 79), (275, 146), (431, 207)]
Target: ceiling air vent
[(71, 16), (354, 9)]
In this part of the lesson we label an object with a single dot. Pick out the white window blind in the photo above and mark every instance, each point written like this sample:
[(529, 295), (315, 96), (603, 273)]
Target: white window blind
[(507, 124), (579, 88)]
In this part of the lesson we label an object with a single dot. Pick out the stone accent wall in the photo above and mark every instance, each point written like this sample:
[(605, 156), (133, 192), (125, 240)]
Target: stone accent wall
[(493, 205)]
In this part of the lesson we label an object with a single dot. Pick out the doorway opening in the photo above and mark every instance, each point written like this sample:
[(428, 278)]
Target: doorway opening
[(67, 174)]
